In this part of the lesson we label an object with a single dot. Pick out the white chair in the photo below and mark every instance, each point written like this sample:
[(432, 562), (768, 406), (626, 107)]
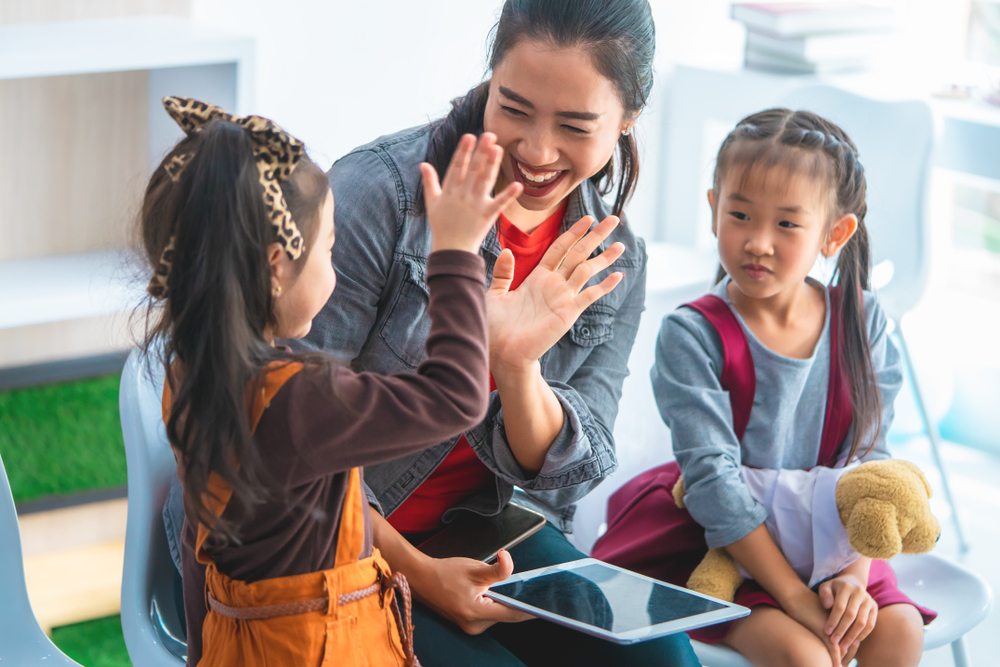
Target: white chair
[(22, 641), (961, 597), (895, 141), (151, 620)]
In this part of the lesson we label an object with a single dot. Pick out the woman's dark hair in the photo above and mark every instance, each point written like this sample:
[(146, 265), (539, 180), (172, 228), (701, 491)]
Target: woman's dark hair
[(212, 323), (621, 39), (803, 142)]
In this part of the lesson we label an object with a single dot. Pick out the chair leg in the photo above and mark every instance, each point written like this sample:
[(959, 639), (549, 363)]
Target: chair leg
[(932, 435), (960, 652)]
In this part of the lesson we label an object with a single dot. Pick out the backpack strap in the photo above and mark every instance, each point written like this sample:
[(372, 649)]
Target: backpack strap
[(218, 493), (839, 406), (738, 375), (740, 380)]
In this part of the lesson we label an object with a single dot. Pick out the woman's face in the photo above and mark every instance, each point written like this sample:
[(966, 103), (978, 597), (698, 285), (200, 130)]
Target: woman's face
[(556, 117)]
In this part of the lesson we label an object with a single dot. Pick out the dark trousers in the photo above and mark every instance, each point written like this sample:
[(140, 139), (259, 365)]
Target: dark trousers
[(440, 643)]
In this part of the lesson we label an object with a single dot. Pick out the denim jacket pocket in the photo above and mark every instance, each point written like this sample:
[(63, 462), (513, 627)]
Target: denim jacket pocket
[(407, 325), (592, 328)]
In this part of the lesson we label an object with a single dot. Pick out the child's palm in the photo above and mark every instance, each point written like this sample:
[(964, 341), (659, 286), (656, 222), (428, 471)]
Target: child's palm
[(461, 209)]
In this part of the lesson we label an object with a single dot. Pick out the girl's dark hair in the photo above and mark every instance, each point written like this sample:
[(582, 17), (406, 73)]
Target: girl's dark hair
[(219, 304), (621, 39), (806, 143)]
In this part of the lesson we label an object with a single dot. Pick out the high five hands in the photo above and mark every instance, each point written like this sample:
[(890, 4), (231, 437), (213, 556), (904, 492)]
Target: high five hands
[(526, 322), (462, 208)]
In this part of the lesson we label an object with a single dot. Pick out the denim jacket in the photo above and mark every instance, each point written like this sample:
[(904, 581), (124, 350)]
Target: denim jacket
[(377, 321)]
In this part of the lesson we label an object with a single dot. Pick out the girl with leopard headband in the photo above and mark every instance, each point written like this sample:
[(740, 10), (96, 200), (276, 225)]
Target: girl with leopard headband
[(279, 565)]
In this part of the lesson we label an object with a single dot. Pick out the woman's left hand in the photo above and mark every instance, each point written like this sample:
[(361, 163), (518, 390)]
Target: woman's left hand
[(526, 322), (853, 611)]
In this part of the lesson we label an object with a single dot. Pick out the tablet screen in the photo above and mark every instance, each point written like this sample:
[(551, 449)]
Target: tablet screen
[(607, 598)]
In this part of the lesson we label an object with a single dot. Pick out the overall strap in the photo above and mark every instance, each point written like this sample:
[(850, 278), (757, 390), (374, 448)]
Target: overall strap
[(217, 496), (738, 375), (350, 538), (839, 407)]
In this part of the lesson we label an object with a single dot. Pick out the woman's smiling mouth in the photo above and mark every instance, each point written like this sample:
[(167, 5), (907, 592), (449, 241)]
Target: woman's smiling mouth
[(536, 183)]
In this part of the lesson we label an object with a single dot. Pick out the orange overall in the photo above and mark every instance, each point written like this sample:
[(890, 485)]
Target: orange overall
[(347, 615)]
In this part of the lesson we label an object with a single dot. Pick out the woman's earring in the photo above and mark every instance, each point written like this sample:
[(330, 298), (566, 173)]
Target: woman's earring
[(627, 131), (278, 293)]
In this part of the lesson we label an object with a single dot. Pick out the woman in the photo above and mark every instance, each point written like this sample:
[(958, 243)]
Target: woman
[(568, 81)]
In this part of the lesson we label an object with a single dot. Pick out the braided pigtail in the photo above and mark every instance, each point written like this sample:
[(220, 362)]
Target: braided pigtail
[(809, 143)]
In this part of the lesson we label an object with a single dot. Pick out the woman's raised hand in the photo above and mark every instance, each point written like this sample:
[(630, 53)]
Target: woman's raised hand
[(525, 323), (462, 208)]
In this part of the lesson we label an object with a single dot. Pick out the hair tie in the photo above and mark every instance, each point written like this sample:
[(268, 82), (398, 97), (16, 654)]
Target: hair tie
[(276, 154)]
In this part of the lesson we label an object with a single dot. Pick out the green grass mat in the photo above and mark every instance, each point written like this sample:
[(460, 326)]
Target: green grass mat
[(94, 643), (62, 438)]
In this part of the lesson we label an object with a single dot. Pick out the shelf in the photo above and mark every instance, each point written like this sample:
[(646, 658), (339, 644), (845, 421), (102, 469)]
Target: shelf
[(115, 45), (877, 83), (61, 288)]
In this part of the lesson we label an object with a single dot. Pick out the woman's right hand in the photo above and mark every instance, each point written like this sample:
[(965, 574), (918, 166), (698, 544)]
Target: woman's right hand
[(462, 208), (451, 587), (454, 588)]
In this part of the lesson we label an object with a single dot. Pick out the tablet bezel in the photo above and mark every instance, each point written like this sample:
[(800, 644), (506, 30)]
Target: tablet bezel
[(729, 612)]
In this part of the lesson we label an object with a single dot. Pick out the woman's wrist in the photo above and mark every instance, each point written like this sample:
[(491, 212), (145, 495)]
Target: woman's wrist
[(400, 554), (514, 376)]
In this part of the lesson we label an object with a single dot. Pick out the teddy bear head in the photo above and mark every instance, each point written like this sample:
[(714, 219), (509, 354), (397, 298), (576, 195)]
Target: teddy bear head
[(884, 506)]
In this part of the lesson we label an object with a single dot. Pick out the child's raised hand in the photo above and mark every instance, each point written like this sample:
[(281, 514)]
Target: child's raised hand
[(462, 208)]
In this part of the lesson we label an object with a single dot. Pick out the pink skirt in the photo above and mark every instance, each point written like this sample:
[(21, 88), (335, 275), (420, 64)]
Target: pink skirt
[(647, 533)]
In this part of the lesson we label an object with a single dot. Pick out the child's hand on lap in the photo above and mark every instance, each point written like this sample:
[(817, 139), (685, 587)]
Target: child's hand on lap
[(462, 208), (853, 612), (808, 610)]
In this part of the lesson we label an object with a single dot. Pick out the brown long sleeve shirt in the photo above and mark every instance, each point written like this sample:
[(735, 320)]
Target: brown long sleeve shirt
[(322, 423)]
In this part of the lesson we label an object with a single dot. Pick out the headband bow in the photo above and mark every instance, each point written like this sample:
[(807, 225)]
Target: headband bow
[(276, 154)]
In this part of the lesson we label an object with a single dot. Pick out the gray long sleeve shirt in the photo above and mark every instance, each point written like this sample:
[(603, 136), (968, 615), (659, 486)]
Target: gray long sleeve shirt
[(786, 422)]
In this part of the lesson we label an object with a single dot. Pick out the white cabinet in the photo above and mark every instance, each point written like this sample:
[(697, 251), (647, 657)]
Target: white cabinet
[(75, 280)]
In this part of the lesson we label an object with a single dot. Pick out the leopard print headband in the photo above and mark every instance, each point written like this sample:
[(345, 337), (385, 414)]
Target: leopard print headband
[(276, 154)]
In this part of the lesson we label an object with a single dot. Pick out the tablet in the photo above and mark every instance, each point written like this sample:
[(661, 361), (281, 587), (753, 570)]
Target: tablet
[(481, 537), (612, 603)]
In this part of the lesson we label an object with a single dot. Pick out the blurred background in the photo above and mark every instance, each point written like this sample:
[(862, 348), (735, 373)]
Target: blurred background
[(80, 83)]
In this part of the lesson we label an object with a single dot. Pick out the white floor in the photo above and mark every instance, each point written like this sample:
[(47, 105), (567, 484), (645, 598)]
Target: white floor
[(975, 482)]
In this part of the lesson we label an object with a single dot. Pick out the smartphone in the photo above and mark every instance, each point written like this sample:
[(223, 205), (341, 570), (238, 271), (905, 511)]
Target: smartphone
[(481, 537)]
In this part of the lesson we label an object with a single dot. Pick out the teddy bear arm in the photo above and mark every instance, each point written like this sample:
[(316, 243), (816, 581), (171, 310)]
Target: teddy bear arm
[(716, 575)]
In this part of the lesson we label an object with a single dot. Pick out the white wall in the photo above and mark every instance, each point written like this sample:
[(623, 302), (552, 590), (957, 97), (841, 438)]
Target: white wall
[(338, 74)]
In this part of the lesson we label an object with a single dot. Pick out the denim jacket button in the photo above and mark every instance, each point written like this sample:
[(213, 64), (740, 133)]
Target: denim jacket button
[(585, 332)]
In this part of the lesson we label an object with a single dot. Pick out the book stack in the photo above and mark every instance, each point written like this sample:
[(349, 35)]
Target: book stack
[(813, 38)]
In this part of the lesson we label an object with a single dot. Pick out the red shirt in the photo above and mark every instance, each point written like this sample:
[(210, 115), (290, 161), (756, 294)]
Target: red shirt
[(461, 473)]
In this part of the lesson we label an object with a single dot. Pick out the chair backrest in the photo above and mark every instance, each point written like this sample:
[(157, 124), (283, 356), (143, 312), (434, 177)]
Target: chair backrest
[(152, 621), (22, 641), (895, 142)]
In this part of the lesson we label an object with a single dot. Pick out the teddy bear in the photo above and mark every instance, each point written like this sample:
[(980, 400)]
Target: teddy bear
[(876, 509)]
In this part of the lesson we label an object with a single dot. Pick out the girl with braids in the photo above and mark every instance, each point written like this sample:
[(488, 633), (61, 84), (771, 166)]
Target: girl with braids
[(278, 562), (774, 370)]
